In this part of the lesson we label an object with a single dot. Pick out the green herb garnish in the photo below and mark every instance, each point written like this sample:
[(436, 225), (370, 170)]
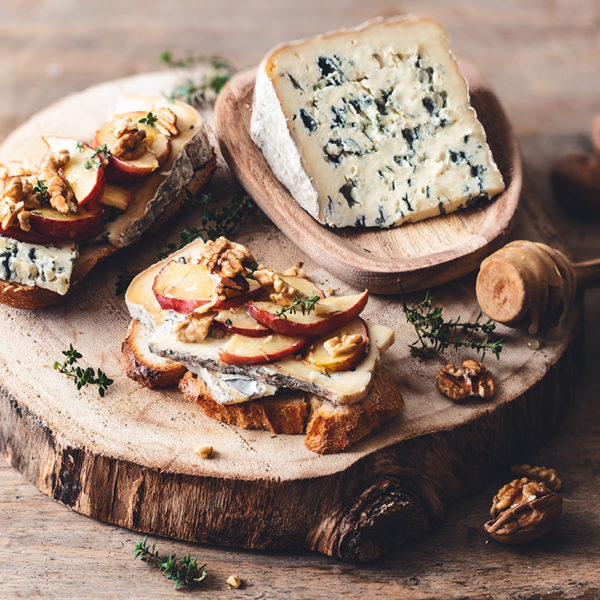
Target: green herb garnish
[(228, 322), (94, 158), (81, 376), (436, 335), (216, 222), (40, 190), (305, 305), (184, 571), (149, 119), (204, 87)]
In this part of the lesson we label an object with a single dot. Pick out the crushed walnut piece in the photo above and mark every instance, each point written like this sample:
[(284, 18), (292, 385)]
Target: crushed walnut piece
[(548, 476), (204, 451), (226, 258), (131, 140), (234, 581), (281, 292), (18, 198), (195, 327), (61, 195), (296, 270), (344, 345), (473, 379), (166, 121), (522, 511)]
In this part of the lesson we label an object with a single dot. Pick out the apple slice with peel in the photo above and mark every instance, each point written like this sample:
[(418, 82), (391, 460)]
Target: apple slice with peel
[(183, 287), (237, 320), (115, 195), (84, 173), (32, 237), (83, 225), (304, 286), (158, 148), (319, 357), (328, 314), (244, 350)]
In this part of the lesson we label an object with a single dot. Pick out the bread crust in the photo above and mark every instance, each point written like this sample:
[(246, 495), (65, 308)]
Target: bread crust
[(31, 297)]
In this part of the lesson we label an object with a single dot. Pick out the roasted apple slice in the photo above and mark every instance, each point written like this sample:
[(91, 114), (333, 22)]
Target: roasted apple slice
[(327, 358), (244, 350), (83, 225), (84, 173), (183, 287), (328, 314), (158, 148), (237, 320), (115, 195), (32, 237)]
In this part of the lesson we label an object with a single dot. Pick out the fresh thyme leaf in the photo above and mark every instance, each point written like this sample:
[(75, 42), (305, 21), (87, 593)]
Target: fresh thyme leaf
[(436, 335), (94, 159), (216, 222), (149, 119), (228, 322), (305, 305), (197, 90), (184, 571), (123, 280), (81, 376), (41, 191), (79, 146)]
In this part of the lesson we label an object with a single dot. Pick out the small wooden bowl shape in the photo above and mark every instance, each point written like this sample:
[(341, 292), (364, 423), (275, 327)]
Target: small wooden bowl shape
[(411, 257)]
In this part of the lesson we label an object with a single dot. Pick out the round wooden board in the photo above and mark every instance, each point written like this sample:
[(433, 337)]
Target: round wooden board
[(412, 257), (128, 458)]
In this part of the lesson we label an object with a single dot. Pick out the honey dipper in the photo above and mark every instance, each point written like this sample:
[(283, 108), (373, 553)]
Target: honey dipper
[(528, 284)]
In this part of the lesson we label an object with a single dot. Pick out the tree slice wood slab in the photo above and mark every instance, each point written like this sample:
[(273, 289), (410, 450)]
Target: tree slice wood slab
[(411, 257), (128, 458)]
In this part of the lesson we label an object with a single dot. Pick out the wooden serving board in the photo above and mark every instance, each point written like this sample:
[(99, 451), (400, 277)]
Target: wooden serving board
[(128, 458), (411, 257)]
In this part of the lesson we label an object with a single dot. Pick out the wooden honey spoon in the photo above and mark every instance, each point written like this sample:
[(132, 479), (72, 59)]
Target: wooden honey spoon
[(528, 284)]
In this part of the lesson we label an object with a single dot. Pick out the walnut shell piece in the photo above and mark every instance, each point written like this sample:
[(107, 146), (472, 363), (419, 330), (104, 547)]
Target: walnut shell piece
[(527, 521), (473, 379)]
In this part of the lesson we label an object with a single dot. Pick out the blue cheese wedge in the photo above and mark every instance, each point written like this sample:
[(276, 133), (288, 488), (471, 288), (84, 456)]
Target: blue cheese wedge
[(49, 267), (372, 127)]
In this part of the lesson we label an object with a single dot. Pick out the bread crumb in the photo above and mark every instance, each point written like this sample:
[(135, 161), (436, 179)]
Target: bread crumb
[(234, 581), (204, 451)]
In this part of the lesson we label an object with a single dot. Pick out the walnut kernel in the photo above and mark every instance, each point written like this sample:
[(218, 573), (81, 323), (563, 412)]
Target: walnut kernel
[(234, 581), (347, 344), (548, 476), (473, 379), (204, 451), (131, 140), (166, 121)]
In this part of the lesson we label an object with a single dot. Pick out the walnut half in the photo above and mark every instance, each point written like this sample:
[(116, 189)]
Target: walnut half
[(522, 511), (473, 379)]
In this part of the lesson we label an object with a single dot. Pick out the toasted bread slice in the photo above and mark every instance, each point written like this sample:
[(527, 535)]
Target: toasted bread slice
[(195, 171), (141, 365)]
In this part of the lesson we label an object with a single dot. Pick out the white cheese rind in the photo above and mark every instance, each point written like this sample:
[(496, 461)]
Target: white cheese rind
[(378, 127), (37, 265)]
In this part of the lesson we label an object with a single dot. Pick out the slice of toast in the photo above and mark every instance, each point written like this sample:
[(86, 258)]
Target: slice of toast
[(141, 365), (329, 428)]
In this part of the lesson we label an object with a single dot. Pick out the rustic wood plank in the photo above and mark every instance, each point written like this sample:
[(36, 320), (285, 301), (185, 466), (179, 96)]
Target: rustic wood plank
[(541, 58)]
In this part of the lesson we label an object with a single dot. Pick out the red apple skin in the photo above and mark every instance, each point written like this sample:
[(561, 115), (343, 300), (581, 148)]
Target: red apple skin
[(240, 299), (78, 227), (290, 328), (257, 332), (32, 237), (92, 200), (233, 359)]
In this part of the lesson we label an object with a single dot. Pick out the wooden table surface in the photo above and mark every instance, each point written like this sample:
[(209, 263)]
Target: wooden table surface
[(543, 59)]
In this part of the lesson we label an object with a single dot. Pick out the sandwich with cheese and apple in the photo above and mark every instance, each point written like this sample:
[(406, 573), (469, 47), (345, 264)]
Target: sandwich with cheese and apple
[(65, 210), (260, 349)]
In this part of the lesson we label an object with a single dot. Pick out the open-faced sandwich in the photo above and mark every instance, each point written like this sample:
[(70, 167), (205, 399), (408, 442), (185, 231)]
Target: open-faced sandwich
[(372, 127), (65, 210), (260, 349)]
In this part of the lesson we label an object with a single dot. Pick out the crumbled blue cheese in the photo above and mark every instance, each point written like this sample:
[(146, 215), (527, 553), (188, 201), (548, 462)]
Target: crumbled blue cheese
[(37, 265), (372, 127)]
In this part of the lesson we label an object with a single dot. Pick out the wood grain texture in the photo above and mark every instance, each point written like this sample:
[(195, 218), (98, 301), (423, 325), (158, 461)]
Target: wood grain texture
[(541, 57), (121, 457), (411, 257)]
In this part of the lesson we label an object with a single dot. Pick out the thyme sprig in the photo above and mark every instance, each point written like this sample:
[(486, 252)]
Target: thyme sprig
[(41, 191), (149, 119), (184, 571), (203, 88), (81, 376), (436, 334), (215, 221), (94, 159), (305, 305), (124, 278)]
